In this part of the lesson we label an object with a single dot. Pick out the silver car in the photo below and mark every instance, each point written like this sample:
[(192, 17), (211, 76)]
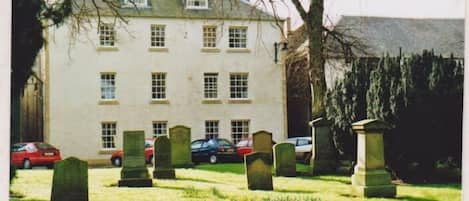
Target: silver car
[(303, 146)]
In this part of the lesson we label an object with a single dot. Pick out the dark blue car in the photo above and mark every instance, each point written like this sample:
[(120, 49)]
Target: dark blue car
[(213, 150)]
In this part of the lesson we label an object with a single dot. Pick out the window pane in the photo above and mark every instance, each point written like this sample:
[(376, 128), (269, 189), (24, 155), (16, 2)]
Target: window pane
[(158, 89), (239, 130), (108, 132)]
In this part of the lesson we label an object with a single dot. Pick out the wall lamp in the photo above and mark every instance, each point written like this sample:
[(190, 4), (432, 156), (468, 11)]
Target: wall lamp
[(277, 45)]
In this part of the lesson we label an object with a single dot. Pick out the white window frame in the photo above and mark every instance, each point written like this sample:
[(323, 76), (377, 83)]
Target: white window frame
[(191, 4), (158, 35), (107, 35), (212, 129), (108, 135), (108, 86), (133, 3), (239, 130), (239, 86), (158, 86), (209, 36), (237, 37), (211, 85), (160, 128)]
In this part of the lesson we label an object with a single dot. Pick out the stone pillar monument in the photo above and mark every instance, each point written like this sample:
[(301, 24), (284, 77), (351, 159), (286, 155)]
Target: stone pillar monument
[(370, 178), (323, 156)]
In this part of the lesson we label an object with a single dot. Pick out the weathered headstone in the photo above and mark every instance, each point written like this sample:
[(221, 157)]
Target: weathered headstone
[(258, 171), (262, 142), (70, 180), (134, 172), (284, 160), (370, 178), (162, 155), (323, 157), (181, 153)]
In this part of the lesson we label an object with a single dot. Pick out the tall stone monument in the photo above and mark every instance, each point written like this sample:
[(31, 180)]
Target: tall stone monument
[(370, 179), (181, 153), (323, 155), (284, 159), (162, 155), (70, 180), (259, 171), (134, 172)]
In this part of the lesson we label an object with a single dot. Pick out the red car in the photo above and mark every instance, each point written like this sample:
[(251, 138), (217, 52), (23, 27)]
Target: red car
[(245, 147), (116, 158), (28, 154)]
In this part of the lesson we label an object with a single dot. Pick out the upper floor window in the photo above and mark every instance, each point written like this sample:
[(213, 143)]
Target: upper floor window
[(108, 134), (158, 86), (237, 37), (107, 35), (138, 3), (197, 4), (108, 86), (210, 36), (157, 35), (211, 85), (239, 85)]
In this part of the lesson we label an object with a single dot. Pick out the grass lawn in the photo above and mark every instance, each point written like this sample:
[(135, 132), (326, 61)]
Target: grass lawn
[(220, 182)]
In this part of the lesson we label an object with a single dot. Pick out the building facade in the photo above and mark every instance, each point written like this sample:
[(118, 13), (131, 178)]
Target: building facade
[(212, 72)]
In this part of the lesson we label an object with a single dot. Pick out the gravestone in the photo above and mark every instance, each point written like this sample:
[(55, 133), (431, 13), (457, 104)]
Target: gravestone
[(162, 155), (70, 180), (370, 179), (181, 153), (134, 172), (262, 142), (323, 157), (258, 171), (284, 160)]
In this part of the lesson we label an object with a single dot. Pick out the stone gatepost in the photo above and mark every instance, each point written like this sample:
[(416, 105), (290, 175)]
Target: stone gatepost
[(134, 171), (370, 178), (323, 155), (163, 168), (70, 180)]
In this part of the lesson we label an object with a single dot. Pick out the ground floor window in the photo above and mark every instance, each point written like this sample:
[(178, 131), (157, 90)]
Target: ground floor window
[(108, 134), (159, 128), (239, 130), (211, 129)]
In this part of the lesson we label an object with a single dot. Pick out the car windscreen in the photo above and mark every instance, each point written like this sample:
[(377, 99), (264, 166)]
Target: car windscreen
[(18, 147), (44, 146)]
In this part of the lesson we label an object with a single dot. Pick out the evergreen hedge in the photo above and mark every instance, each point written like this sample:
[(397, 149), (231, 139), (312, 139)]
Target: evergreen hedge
[(421, 96)]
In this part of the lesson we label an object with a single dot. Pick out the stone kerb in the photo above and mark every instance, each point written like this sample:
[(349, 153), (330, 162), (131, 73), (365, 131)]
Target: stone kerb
[(284, 159), (323, 157), (134, 172), (181, 153), (262, 142), (163, 168), (70, 180), (370, 179), (258, 168)]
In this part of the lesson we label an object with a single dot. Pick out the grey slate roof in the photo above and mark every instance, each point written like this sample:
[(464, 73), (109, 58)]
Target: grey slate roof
[(386, 35), (218, 9)]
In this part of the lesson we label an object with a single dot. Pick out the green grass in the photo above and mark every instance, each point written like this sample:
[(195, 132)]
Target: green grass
[(222, 182)]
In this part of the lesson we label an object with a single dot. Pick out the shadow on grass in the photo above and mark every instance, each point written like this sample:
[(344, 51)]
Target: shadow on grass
[(19, 199), (294, 191), (197, 180), (449, 186), (410, 198)]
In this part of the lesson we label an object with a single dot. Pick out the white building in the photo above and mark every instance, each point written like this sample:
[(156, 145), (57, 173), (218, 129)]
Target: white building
[(189, 63)]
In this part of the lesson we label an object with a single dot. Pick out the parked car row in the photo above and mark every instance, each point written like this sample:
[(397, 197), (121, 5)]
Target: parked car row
[(29, 154)]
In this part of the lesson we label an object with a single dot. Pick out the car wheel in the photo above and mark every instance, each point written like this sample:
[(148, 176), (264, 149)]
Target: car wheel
[(50, 166), (117, 162), (213, 159), (27, 164)]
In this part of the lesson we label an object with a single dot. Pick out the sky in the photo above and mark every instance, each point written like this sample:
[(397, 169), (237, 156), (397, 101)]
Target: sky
[(387, 8)]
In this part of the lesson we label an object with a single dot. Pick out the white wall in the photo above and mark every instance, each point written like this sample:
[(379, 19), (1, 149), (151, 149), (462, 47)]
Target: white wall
[(76, 116)]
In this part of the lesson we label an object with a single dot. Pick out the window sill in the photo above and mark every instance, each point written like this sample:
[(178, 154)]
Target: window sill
[(162, 101), (104, 48), (238, 50), (211, 101), (209, 50), (108, 102), (106, 151), (158, 49), (240, 101)]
